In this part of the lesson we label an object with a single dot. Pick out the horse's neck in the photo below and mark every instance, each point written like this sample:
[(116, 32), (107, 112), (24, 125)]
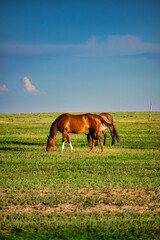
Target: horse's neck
[(53, 130)]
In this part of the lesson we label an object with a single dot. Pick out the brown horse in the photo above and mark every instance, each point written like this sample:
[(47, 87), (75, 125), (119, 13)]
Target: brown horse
[(109, 119), (67, 123)]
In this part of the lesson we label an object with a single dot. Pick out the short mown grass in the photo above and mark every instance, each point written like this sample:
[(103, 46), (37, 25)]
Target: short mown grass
[(79, 195)]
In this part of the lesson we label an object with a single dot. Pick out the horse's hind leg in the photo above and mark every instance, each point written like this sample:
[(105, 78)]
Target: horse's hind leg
[(93, 140), (96, 141), (112, 135), (105, 135), (100, 139), (69, 141)]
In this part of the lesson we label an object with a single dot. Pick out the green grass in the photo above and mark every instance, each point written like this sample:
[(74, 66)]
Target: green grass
[(83, 226), (79, 195)]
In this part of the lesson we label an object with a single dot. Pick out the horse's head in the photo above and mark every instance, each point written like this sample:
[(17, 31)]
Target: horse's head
[(89, 138), (50, 144)]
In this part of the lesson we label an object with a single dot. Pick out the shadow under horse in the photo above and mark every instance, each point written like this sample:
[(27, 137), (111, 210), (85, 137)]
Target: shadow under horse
[(68, 123)]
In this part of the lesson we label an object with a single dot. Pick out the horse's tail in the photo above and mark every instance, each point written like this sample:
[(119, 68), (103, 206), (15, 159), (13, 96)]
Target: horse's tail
[(106, 123), (115, 134)]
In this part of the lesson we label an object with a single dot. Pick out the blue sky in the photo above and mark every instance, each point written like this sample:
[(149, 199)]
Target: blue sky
[(79, 56)]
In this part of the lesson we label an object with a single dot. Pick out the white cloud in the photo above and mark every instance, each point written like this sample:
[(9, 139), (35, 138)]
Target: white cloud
[(29, 87), (128, 45), (3, 89), (113, 45)]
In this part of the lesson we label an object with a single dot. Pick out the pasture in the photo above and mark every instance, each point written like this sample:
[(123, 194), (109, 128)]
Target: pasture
[(79, 195)]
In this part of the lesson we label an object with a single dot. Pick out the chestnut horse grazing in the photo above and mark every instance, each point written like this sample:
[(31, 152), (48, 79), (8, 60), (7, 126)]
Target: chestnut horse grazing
[(109, 119), (67, 123)]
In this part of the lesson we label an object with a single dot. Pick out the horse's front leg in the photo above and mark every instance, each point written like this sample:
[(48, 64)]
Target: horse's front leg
[(64, 135), (69, 141)]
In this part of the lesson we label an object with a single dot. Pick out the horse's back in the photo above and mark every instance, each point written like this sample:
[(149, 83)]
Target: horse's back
[(107, 117), (72, 123)]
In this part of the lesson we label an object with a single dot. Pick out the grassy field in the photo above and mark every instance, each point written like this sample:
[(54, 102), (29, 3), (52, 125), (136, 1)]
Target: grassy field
[(79, 195)]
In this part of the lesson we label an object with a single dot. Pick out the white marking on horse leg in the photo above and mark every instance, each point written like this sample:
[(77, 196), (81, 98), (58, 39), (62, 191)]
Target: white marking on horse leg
[(62, 147), (71, 147)]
